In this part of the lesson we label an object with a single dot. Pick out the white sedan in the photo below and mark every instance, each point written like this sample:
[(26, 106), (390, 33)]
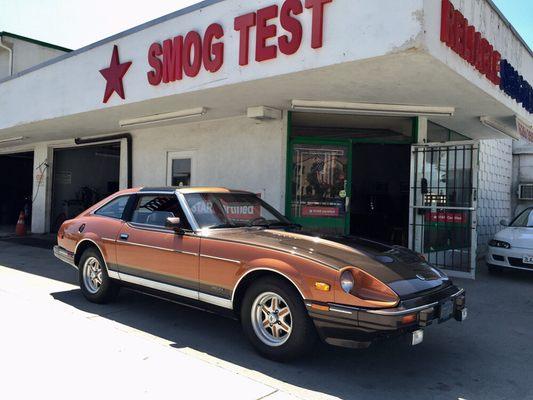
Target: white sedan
[(513, 247)]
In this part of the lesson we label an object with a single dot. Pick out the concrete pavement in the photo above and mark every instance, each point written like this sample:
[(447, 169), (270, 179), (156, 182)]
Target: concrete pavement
[(54, 344)]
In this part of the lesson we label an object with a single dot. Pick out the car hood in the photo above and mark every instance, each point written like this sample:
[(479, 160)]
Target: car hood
[(517, 237), (403, 270)]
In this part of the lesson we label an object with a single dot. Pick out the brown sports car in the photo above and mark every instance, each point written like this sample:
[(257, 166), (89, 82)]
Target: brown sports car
[(229, 251)]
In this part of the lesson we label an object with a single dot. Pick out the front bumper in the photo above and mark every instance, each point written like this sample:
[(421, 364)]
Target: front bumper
[(359, 328), (509, 258), (64, 255)]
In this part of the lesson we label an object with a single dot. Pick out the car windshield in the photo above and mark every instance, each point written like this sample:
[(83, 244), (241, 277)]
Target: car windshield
[(232, 210), (524, 220)]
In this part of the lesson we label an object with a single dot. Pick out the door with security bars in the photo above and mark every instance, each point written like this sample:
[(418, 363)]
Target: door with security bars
[(443, 205), (320, 185)]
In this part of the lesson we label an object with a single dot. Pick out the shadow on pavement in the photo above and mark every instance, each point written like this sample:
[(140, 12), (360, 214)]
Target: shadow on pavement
[(471, 360), (481, 358)]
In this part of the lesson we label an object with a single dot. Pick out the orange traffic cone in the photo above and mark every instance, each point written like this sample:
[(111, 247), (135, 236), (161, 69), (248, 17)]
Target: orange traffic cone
[(20, 229)]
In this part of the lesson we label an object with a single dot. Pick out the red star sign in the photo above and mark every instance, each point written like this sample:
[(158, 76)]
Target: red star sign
[(113, 75)]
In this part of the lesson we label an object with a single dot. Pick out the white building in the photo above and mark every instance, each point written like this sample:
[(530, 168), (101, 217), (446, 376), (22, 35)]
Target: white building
[(388, 119)]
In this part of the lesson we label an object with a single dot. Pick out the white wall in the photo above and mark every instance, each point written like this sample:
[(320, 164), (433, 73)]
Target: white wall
[(26, 54), (4, 63), (494, 192), (75, 85), (237, 153)]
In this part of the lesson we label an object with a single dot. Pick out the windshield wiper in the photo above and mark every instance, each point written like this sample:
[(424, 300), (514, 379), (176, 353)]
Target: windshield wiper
[(279, 224), (222, 226)]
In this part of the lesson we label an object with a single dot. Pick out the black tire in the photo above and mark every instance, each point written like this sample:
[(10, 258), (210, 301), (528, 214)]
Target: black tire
[(494, 269), (303, 334), (107, 290)]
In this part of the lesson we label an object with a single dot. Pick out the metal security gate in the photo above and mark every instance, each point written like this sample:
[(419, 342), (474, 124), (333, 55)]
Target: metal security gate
[(443, 205)]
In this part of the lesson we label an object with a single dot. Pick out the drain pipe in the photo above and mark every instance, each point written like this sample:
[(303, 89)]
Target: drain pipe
[(10, 51), (129, 142)]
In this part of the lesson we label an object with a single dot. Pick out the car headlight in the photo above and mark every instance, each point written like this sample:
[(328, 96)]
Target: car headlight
[(356, 282), (347, 281), (499, 243)]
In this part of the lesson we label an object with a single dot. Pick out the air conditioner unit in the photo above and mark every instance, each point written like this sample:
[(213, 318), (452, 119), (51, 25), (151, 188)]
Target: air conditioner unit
[(525, 191)]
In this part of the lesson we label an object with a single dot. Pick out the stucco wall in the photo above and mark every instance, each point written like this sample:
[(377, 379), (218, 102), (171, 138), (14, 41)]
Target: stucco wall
[(375, 25), (239, 153), (494, 193), (25, 55)]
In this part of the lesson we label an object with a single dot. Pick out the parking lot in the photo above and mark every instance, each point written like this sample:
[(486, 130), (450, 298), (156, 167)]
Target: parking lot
[(54, 344)]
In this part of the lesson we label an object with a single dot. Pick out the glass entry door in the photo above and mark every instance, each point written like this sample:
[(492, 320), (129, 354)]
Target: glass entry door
[(443, 205), (319, 195)]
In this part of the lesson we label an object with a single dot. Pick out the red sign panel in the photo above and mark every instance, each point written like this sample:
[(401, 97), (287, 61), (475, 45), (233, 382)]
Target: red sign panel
[(317, 211), (466, 41), (242, 212), (447, 217)]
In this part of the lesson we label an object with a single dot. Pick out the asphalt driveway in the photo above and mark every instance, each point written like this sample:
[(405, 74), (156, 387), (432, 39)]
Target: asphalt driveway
[(54, 344)]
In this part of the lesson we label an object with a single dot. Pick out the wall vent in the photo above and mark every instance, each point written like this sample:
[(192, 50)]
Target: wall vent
[(525, 191)]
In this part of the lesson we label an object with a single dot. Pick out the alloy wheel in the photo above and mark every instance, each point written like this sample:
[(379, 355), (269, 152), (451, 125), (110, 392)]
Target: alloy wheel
[(271, 319), (92, 275)]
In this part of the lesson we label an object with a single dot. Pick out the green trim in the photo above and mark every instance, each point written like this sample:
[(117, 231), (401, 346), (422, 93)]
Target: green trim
[(348, 143), (35, 41), (334, 223)]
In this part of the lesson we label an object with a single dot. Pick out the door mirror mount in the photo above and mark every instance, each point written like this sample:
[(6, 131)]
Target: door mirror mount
[(504, 222), (174, 223)]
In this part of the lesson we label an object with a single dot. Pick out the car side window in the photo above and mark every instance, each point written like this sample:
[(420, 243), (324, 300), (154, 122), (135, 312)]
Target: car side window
[(115, 208), (153, 210)]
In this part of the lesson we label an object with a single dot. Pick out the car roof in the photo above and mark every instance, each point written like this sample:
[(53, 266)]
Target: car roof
[(190, 189)]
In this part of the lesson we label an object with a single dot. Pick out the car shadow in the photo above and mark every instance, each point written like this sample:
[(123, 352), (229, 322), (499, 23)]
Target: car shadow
[(477, 359), (343, 373)]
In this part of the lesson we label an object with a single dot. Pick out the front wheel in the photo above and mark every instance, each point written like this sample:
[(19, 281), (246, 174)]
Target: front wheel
[(95, 283), (275, 320)]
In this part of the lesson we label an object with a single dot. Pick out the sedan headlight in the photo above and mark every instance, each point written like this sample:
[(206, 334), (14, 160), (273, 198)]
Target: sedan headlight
[(499, 243), (347, 281)]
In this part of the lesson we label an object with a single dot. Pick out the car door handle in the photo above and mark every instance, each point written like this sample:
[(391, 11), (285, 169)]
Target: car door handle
[(124, 236)]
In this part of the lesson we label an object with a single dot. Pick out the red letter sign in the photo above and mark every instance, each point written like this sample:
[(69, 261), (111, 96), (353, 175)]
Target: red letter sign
[(318, 21), (292, 25), (192, 54), (172, 50), (265, 31), (154, 76), (243, 24), (213, 54)]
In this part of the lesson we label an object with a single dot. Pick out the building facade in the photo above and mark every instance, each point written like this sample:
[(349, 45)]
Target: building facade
[(391, 120)]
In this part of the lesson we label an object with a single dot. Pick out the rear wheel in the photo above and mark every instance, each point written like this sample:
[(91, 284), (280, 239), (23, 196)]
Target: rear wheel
[(95, 283), (275, 320)]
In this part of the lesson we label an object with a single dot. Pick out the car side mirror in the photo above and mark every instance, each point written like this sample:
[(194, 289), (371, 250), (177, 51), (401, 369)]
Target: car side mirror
[(504, 222), (174, 223)]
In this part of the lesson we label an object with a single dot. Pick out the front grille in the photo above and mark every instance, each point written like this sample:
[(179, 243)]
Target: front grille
[(498, 258), (517, 262)]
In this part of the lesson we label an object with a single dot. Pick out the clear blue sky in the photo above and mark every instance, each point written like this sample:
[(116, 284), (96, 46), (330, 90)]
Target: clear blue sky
[(76, 23)]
